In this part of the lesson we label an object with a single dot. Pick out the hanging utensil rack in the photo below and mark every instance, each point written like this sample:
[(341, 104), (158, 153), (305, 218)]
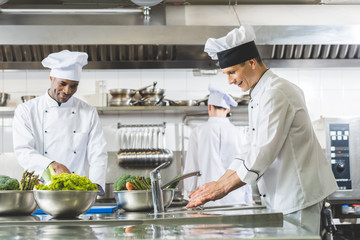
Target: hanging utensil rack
[(143, 145)]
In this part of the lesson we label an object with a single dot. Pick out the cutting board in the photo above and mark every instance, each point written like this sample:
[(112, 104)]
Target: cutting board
[(93, 210)]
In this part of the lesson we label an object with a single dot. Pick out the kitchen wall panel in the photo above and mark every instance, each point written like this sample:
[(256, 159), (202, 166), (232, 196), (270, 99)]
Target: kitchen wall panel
[(328, 92)]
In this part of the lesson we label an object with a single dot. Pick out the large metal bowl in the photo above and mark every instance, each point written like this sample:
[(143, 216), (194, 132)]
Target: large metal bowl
[(141, 200), (17, 203), (65, 203)]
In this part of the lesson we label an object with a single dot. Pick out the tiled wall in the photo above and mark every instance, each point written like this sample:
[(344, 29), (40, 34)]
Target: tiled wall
[(328, 92)]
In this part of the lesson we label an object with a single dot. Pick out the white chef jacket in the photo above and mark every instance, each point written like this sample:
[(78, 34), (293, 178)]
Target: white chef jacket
[(44, 132), (212, 147), (285, 157)]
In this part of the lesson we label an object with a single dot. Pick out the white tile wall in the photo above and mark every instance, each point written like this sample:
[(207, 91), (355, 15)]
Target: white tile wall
[(328, 92)]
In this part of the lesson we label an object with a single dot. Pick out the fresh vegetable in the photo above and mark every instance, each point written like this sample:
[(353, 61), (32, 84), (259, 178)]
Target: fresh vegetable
[(174, 185), (140, 183), (148, 180), (8, 183), (137, 183), (28, 180), (129, 186), (120, 183), (69, 181)]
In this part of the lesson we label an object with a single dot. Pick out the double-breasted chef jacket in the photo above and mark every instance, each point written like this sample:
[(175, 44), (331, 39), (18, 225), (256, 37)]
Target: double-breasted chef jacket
[(284, 158), (211, 149), (69, 134)]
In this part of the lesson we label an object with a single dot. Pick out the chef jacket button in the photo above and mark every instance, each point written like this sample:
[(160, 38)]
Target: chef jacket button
[(46, 111), (74, 152), (45, 131), (253, 129), (264, 195), (252, 106), (73, 112), (74, 132), (45, 152)]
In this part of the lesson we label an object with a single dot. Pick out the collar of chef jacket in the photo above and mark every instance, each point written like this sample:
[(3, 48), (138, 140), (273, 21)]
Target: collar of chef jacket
[(260, 84), (50, 102), (218, 119)]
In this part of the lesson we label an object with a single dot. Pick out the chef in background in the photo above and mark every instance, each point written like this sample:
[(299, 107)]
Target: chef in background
[(284, 158), (58, 129), (212, 147)]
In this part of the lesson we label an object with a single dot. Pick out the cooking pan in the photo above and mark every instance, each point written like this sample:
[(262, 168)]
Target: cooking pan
[(3, 98), (121, 96), (183, 103)]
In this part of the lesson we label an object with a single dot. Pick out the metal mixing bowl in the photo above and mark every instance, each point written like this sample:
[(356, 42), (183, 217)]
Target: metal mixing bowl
[(13, 202), (64, 203), (141, 200)]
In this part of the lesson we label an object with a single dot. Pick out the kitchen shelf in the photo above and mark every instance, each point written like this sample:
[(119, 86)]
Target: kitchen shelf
[(7, 109), (160, 109)]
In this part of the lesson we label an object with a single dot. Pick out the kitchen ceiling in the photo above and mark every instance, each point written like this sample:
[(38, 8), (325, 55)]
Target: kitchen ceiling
[(168, 38)]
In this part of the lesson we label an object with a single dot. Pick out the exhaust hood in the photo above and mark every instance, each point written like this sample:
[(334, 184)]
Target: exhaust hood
[(174, 36)]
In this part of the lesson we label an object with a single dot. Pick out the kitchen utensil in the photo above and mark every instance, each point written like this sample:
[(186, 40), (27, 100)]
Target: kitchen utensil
[(17, 203), (141, 200), (144, 158), (188, 103), (121, 96), (27, 98), (3, 98), (64, 203)]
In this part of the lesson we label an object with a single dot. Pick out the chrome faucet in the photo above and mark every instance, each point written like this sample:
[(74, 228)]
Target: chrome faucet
[(157, 193), (156, 187)]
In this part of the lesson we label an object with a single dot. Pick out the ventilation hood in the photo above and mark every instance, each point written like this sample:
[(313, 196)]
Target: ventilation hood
[(173, 36)]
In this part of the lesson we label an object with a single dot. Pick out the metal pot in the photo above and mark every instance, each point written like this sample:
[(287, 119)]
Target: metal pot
[(27, 98), (141, 200), (184, 103), (153, 95), (121, 96), (3, 98)]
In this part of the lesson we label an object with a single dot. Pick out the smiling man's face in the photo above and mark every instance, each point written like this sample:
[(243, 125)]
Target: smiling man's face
[(62, 89), (242, 75)]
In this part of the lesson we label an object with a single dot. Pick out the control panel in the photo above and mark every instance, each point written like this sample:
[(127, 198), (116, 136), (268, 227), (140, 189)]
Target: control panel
[(340, 156)]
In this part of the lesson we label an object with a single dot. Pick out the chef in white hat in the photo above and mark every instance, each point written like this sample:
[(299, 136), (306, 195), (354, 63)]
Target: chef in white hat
[(212, 147), (284, 157), (59, 129)]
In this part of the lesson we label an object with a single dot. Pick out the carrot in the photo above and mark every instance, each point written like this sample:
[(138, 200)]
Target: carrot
[(129, 186)]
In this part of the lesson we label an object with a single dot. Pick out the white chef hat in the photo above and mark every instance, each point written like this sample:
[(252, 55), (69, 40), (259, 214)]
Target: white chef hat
[(236, 47), (65, 64), (220, 98)]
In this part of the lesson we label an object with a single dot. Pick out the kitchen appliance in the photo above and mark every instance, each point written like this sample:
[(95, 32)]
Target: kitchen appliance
[(340, 139)]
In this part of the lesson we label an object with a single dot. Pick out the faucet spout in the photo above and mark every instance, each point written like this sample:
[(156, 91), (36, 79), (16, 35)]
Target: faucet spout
[(182, 177), (156, 190)]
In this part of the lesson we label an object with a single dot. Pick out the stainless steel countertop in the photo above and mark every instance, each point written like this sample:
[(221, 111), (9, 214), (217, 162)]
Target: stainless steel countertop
[(233, 222)]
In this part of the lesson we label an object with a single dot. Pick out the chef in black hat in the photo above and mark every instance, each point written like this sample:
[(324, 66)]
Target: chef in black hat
[(284, 157)]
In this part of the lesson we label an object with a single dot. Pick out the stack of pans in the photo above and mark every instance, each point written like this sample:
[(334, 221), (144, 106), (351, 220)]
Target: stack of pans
[(144, 158)]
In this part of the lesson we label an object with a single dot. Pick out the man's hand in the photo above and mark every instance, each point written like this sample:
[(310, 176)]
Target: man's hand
[(208, 192), (59, 168), (215, 190)]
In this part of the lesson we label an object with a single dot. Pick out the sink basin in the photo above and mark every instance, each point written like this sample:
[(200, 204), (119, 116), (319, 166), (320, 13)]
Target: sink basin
[(212, 208)]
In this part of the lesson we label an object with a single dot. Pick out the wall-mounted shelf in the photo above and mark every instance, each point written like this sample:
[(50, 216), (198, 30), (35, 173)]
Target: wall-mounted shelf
[(161, 109)]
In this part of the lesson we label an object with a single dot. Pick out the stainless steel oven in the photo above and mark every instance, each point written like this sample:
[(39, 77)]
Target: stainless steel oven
[(340, 139)]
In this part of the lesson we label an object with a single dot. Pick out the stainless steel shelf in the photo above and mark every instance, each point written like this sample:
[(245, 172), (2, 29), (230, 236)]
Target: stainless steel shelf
[(162, 109), (7, 110)]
